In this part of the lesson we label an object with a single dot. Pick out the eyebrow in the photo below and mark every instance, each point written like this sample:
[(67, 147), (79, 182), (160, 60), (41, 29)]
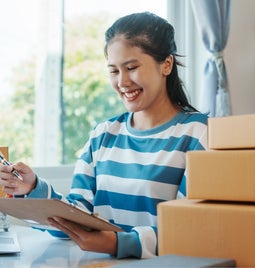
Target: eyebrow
[(124, 63)]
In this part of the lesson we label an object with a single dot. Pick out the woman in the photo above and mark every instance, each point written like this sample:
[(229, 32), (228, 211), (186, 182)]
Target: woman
[(135, 160)]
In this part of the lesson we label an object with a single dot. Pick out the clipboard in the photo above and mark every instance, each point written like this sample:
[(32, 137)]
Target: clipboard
[(36, 211)]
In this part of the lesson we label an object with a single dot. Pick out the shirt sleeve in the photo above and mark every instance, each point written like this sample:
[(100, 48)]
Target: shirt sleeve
[(140, 242), (128, 245), (43, 190)]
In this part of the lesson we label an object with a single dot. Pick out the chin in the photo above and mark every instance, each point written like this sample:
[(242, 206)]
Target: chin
[(133, 110)]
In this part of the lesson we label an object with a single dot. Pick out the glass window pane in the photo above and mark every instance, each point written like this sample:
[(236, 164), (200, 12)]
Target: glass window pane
[(87, 96), (17, 71)]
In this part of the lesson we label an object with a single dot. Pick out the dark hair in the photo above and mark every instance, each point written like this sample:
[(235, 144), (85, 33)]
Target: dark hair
[(155, 36)]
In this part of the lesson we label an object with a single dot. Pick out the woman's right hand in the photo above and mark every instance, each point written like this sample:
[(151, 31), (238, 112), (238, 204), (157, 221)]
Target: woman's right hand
[(14, 186)]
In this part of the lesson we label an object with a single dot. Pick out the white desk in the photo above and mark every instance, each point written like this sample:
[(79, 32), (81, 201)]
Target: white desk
[(41, 250)]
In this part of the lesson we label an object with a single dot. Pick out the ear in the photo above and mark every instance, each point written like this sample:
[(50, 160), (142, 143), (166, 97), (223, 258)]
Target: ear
[(167, 65)]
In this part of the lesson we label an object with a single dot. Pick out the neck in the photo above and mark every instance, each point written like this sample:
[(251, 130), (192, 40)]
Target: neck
[(143, 120)]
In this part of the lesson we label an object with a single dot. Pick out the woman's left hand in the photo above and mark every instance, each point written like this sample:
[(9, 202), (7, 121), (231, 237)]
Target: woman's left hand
[(97, 241)]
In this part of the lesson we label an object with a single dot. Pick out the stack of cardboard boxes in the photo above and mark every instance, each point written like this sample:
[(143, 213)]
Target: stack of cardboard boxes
[(4, 151), (217, 219)]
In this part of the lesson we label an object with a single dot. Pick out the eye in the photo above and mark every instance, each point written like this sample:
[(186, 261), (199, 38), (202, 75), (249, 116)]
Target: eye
[(113, 71), (130, 68)]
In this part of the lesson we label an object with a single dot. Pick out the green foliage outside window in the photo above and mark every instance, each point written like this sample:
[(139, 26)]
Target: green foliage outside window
[(87, 96)]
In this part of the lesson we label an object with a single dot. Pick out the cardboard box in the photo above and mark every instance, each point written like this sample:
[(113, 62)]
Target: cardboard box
[(231, 132), (207, 229), (4, 151), (221, 175)]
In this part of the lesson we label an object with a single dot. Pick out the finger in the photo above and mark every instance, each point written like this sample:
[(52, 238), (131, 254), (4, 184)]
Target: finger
[(65, 226), (5, 172), (11, 184), (14, 186), (9, 189), (21, 167), (8, 182)]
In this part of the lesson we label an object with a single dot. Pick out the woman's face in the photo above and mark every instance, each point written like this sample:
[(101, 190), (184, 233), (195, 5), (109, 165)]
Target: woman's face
[(137, 77)]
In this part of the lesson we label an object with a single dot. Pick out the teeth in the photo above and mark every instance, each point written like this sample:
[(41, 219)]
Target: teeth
[(132, 94)]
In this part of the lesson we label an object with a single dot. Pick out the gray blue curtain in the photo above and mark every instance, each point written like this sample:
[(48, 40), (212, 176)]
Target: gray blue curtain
[(213, 22)]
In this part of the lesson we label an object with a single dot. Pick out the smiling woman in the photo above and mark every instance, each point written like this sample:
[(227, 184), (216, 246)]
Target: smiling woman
[(138, 155), (54, 85)]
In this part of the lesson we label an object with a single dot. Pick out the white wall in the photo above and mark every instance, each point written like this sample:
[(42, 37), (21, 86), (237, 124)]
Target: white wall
[(240, 57), (59, 176)]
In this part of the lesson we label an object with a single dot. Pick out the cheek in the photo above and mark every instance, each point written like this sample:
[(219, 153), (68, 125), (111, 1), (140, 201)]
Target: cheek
[(155, 79), (114, 84), (114, 81), (145, 77)]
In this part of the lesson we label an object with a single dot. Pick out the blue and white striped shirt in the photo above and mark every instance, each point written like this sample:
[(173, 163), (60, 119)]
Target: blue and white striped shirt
[(123, 173)]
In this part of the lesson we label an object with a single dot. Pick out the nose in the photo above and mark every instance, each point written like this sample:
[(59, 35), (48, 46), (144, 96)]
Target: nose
[(124, 80)]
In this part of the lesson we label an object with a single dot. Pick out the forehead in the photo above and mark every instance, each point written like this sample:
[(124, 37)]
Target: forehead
[(119, 50)]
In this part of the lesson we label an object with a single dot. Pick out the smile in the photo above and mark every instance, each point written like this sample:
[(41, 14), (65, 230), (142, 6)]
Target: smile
[(132, 95)]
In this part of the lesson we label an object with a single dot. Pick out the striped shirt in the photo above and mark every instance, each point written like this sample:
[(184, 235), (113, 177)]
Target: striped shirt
[(123, 173)]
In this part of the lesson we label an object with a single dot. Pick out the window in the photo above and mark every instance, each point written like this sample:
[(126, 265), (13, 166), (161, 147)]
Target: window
[(17, 71), (53, 80)]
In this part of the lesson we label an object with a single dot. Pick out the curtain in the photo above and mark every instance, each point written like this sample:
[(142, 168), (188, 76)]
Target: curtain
[(212, 19)]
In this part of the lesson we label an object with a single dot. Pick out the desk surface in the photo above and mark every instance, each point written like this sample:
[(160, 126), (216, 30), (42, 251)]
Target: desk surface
[(40, 249)]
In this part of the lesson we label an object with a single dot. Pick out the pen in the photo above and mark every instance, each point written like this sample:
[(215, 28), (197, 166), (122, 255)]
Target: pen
[(6, 163)]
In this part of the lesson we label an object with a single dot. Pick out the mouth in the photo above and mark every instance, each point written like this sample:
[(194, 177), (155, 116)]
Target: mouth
[(132, 95)]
